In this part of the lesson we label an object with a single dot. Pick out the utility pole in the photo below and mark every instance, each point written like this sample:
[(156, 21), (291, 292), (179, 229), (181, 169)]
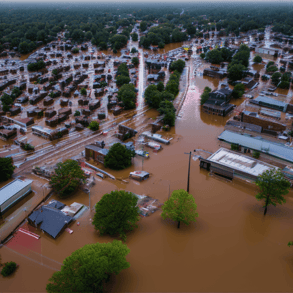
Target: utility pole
[(90, 199), (188, 171)]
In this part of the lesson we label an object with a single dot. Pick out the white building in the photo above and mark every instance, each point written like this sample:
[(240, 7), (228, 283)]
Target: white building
[(14, 191)]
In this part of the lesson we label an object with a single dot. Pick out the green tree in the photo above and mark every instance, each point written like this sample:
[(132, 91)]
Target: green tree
[(122, 79), (116, 213), (134, 37), (8, 269), (161, 45), (118, 157), (89, 267), (160, 86), (214, 56), (257, 59), (135, 61), (276, 78), (172, 87), (238, 90), (6, 168), (202, 55), (272, 69), (94, 126), (205, 95), (77, 113), (75, 50), (143, 26), (83, 91), (167, 96), (133, 50), (177, 65), (180, 207), (272, 186), (67, 177), (270, 63), (88, 35), (236, 72)]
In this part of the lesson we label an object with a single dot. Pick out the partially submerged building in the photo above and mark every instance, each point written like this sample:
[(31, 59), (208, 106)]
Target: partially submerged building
[(247, 143), (50, 218), (95, 152), (13, 192), (230, 164), (264, 101), (218, 102)]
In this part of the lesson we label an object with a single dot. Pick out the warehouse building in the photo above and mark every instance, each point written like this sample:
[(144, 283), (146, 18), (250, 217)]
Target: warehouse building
[(13, 192), (247, 143), (230, 164)]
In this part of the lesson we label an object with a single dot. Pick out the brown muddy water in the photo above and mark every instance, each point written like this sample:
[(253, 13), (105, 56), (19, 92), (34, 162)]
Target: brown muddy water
[(232, 247)]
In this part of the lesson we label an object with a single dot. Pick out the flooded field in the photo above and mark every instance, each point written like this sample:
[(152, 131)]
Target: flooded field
[(231, 248)]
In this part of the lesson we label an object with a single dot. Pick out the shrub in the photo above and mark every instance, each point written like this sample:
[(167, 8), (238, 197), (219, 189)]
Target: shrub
[(77, 113), (256, 154), (94, 126), (8, 269), (83, 92), (257, 59), (234, 147), (135, 61), (205, 95), (75, 50)]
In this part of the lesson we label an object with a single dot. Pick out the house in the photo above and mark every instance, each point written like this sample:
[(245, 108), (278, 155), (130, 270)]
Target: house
[(96, 153), (50, 218), (218, 102)]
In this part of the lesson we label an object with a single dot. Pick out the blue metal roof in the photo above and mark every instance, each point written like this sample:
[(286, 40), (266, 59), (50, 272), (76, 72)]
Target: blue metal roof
[(259, 144), (271, 101)]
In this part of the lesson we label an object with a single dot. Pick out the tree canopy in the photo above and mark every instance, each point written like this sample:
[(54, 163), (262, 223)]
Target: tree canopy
[(205, 95), (67, 177), (127, 95), (118, 157), (94, 126), (89, 267), (238, 90), (272, 186), (6, 168), (116, 213), (180, 207)]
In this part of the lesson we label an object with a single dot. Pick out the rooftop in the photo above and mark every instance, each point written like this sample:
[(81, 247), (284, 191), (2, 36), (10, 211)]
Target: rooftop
[(239, 162), (7, 191), (277, 150)]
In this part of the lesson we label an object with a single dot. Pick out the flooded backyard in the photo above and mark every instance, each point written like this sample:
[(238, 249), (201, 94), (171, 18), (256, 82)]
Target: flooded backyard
[(232, 247)]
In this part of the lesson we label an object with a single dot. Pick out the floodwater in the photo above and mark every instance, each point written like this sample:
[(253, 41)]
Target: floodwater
[(232, 247)]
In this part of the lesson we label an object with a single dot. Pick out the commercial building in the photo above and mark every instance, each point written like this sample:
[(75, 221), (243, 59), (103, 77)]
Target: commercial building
[(13, 192), (270, 103), (246, 143), (230, 164)]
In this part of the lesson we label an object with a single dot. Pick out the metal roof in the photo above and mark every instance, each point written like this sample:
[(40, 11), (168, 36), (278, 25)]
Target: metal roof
[(271, 101), (277, 150), (239, 162), (7, 191)]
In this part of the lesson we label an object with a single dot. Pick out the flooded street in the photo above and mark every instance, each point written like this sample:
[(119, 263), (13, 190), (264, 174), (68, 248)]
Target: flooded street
[(231, 248)]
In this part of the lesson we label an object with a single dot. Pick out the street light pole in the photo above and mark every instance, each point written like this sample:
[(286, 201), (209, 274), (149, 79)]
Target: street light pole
[(188, 171)]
